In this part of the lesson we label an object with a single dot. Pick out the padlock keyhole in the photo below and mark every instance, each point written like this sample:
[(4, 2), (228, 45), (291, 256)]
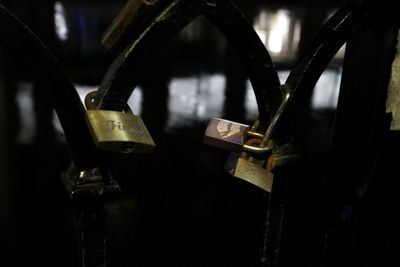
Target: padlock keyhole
[(127, 147)]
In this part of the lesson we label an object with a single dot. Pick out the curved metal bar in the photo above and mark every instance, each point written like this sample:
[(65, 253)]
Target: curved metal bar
[(299, 87), (260, 69), (312, 63), (133, 19), (17, 37), (125, 71)]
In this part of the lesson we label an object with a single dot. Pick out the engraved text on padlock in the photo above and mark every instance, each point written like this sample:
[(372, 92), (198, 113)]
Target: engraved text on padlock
[(119, 132)]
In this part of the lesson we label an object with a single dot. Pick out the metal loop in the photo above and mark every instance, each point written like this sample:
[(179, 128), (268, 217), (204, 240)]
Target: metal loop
[(252, 133), (90, 103), (262, 147), (257, 149)]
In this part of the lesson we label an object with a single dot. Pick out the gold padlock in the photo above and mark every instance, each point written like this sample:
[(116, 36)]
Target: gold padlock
[(254, 174), (254, 170), (237, 137), (116, 131)]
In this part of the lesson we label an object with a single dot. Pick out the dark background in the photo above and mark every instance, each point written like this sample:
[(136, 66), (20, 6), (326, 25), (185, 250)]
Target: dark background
[(178, 206)]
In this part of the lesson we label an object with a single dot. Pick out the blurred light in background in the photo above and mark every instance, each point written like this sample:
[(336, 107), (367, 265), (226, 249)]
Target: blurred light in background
[(60, 21), (251, 103), (191, 99), (27, 120), (261, 25), (280, 31), (326, 92), (195, 98)]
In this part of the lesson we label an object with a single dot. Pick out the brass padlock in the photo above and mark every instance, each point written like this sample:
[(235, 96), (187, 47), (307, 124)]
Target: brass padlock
[(232, 136), (253, 173), (119, 132), (254, 168)]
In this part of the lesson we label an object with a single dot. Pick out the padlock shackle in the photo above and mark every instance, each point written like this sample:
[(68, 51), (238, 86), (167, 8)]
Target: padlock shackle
[(17, 37), (126, 70)]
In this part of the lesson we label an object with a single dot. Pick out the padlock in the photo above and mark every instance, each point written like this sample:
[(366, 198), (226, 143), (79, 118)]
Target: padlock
[(119, 132), (253, 173), (231, 162), (253, 168), (231, 136), (249, 170), (225, 134)]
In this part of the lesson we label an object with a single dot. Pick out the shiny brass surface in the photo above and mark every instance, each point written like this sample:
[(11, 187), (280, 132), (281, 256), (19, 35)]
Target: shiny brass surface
[(257, 149), (253, 133), (119, 132), (254, 174), (264, 146)]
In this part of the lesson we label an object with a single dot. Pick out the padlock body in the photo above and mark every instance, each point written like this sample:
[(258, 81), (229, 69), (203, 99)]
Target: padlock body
[(119, 132), (225, 134), (253, 174)]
